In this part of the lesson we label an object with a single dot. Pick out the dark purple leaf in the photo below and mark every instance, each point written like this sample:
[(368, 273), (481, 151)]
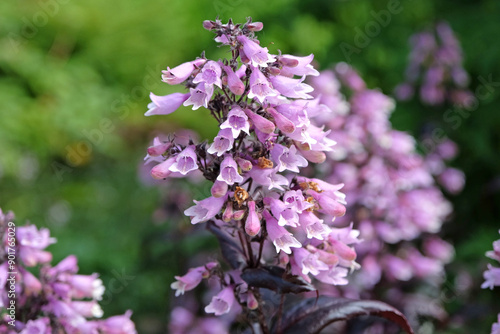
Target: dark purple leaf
[(276, 279), (231, 252), (312, 315)]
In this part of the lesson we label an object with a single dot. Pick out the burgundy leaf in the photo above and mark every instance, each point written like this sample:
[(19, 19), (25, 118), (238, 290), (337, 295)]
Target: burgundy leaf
[(312, 315), (231, 252), (276, 279)]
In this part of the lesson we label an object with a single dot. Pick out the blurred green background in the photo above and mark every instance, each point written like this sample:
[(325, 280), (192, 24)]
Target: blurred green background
[(74, 84)]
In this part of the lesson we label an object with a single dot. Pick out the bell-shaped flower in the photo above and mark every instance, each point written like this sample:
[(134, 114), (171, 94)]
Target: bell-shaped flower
[(313, 226), (38, 326), (260, 122), (252, 224), (300, 66), (223, 142), (236, 86), (164, 105), (31, 284), (293, 88), (118, 324), (288, 158), (309, 262), (158, 148), (205, 209), (283, 123), (260, 87), (162, 170), (87, 309), (191, 280), (180, 73), (210, 74), (86, 286), (199, 96), (257, 55), (335, 276), (185, 161), (282, 239), (222, 302), (229, 171), (237, 121)]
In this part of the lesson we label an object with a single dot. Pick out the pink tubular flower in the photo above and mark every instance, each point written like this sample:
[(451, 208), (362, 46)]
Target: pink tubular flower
[(282, 239), (222, 302), (87, 309), (303, 65), (223, 142), (236, 86), (188, 281), (261, 123), (87, 286), (283, 123), (237, 121), (180, 73), (252, 225), (229, 171), (119, 324), (185, 161), (31, 244), (210, 74), (293, 88), (158, 148), (164, 105), (260, 87), (38, 326), (199, 96), (205, 209), (257, 55), (162, 170), (288, 158)]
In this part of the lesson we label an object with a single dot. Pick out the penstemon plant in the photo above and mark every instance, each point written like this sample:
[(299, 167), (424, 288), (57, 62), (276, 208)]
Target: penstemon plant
[(50, 299), (267, 217)]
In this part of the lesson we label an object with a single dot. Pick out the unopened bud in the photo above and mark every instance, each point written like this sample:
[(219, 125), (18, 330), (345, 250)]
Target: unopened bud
[(228, 212), (209, 25), (252, 302), (255, 26), (219, 189), (238, 214), (244, 164)]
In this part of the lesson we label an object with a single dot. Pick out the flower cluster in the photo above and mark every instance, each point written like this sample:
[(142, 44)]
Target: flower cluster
[(393, 197), (492, 278), (58, 299), (266, 216), (436, 67)]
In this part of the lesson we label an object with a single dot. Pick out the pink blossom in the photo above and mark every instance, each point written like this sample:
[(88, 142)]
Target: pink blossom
[(164, 105), (257, 55), (222, 302), (199, 96), (205, 209), (180, 73)]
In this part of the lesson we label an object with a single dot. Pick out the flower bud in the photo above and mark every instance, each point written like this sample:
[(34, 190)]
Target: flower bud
[(252, 302), (209, 25), (236, 86), (252, 225), (283, 123), (219, 188), (261, 123), (239, 214), (255, 26), (228, 212), (162, 170), (244, 164)]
